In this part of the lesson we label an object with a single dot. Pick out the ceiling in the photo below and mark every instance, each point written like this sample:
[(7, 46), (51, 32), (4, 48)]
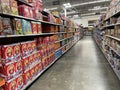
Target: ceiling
[(79, 7)]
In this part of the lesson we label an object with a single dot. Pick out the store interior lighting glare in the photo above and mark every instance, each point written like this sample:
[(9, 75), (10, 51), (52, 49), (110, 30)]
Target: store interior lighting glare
[(67, 5)]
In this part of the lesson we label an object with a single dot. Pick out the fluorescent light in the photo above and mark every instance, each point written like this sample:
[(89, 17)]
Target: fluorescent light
[(98, 8), (67, 5), (52, 8), (87, 14)]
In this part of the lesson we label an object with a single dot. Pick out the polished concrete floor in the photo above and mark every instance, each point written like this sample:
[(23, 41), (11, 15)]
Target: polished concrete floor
[(82, 68)]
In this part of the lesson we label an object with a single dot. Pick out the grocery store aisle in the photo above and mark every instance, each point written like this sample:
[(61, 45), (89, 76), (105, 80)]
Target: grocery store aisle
[(82, 68)]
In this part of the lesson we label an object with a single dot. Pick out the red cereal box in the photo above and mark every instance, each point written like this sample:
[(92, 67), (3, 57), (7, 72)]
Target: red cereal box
[(8, 71), (34, 27), (39, 28), (17, 52), (34, 47), (24, 49), (30, 47), (18, 67), (10, 85), (40, 66), (31, 60), (26, 64), (26, 77), (7, 54), (36, 68), (0, 56), (14, 7), (32, 73), (20, 83)]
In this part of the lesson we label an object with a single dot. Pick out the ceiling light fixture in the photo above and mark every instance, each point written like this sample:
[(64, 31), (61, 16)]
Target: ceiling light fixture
[(67, 5), (97, 8)]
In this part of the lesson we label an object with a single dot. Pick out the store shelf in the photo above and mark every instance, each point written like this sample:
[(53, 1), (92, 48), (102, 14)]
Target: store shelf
[(63, 39), (60, 32), (29, 35), (24, 2), (2, 81), (115, 38), (113, 49), (116, 14), (35, 78), (116, 72)]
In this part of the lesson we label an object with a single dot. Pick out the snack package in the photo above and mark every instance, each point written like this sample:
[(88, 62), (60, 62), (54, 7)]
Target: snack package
[(7, 29), (14, 7), (32, 73), (1, 25), (8, 71), (40, 66), (24, 49), (18, 67), (10, 85), (39, 28), (25, 64), (7, 54), (17, 52), (26, 77), (29, 45), (34, 27), (31, 60), (17, 26), (20, 82), (34, 46), (5, 6)]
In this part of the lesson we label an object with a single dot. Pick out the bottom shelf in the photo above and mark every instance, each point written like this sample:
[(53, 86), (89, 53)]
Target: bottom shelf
[(116, 71), (46, 69)]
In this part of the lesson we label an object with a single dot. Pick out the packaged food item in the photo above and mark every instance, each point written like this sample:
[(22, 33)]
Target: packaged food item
[(39, 28), (32, 73), (26, 77), (7, 54), (40, 66), (17, 52), (25, 64), (34, 47), (26, 27), (17, 26), (30, 47), (34, 27), (14, 7), (1, 25), (31, 60), (7, 29), (10, 85), (36, 68), (5, 6), (19, 82), (8, 71), (0, 56), (24, 49), (18, 67)]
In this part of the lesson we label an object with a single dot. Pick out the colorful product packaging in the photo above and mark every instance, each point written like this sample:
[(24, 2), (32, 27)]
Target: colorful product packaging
[(7, 29), (20, 82), (17, 26), (18, 67), (34, 27), (39, 28), (17, 52), (5, 6), (25, 64), (8, 71), (26, 77), (14, 7), (7, 54)]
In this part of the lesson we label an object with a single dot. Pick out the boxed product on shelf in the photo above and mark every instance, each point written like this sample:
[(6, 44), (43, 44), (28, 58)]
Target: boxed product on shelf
[(39, 28), (26, 77), (58, 53), (34, 27), (26, 27), (32, 73), (8, 71), (5, 6), (48, 28), (57, 45), (13, 7), (17, 52), (19, 82), (7, 54), (25, 64), (17, 26), (18, 67), (10, 85), (7, 28)]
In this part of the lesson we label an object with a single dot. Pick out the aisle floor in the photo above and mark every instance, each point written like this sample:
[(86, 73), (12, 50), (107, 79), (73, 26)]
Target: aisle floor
[(82, 68)]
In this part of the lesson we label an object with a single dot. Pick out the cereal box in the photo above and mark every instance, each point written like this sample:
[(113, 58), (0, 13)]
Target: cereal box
[(7, 29), (40, 66), (36, 68), (39, 28), (17, 52), (24, 49), (34, 27), (25, 64), (14, 7), (32, 73), (8, 71), (30, 47), (1, 26), (18, 67), (26, 27), (7, 54), (17, 26), (5, 6), (10, 85), (26, 77), (31, 60), (20, 83), (34, 47)]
